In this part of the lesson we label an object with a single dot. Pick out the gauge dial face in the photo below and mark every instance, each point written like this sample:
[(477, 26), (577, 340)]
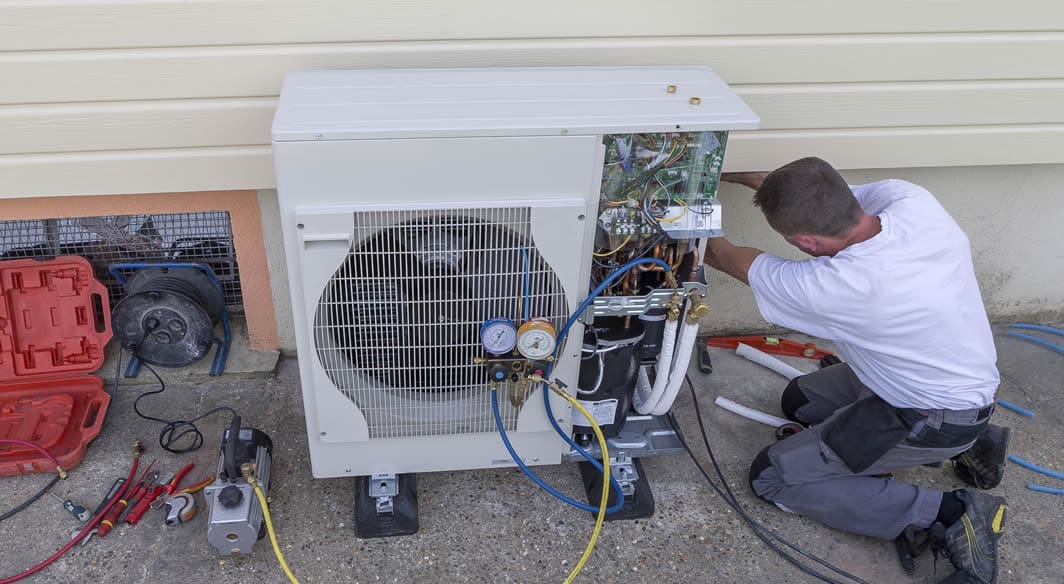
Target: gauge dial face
[(498, 336), (535, 339)]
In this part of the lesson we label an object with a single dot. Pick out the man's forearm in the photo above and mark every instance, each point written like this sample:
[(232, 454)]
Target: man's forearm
[(750, 180), (731, 259)]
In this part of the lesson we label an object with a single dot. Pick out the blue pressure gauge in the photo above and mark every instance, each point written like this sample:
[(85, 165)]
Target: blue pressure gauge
[(498, 335)]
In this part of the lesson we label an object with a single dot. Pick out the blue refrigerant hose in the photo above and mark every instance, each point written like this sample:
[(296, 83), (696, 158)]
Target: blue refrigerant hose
[(535, 478), (1015, 408), (1036, 340), (560, 340), (1042, 489), (1035, 467), (564, 332)]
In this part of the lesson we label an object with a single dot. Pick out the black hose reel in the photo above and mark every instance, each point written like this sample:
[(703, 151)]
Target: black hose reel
[(168, 315)]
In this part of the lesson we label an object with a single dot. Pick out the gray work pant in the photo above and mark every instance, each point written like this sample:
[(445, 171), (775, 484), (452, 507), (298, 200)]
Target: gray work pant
[(829, 471)]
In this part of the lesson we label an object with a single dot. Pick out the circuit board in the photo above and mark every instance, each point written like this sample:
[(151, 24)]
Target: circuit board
[(652, 181)]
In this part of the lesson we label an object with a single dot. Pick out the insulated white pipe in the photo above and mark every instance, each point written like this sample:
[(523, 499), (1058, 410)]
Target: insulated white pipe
[(766, 360), (679, 368), (646, 397), (750, 413)]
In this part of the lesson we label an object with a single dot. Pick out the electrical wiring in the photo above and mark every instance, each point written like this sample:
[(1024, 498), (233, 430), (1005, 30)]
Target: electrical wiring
[(678, 217), (249, 475), (598, 377), (765, 534), (614, 250), (175, 430), (89, 526), (702, 204)]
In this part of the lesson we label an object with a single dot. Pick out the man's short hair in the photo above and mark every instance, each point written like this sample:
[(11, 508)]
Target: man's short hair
[(808, 196)]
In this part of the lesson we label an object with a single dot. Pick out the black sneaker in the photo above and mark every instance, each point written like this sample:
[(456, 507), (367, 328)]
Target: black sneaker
[(970, 543), (983, 465)]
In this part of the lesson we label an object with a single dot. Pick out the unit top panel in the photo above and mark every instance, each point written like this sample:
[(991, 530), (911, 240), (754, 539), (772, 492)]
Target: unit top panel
[(423, 103)]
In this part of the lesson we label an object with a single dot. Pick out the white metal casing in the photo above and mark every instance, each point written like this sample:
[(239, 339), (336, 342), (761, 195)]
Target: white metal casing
[(422, 103), (350, 142)]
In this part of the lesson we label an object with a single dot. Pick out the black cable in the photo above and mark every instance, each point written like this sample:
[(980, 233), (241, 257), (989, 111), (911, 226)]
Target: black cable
[(692, 209), (31, 500), (761, 531), (716, 466), (175, 430)]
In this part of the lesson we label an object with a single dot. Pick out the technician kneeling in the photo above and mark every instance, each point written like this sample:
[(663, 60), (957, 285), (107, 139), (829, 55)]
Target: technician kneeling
[(892, 284)]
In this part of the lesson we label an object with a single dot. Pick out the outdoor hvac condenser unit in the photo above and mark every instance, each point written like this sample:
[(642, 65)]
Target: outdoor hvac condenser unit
[(424, 210)]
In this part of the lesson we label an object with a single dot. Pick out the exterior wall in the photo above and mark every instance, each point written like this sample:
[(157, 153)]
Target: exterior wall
[(1016, 246), (115, 97), (112, 97)]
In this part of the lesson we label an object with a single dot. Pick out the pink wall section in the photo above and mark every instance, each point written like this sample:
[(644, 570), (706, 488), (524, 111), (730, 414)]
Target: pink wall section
[(243, 208)]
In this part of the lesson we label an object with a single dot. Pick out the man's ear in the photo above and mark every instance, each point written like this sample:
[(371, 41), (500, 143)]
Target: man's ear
[(807, 243)]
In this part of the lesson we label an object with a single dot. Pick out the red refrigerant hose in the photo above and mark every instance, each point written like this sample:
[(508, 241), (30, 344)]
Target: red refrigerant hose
[(138, 448), (48, 455)]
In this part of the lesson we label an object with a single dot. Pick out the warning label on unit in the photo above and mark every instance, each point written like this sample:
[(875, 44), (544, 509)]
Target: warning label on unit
[(603, 412)]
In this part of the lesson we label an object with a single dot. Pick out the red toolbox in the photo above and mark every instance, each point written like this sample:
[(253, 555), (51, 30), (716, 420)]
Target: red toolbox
[(54, 324)]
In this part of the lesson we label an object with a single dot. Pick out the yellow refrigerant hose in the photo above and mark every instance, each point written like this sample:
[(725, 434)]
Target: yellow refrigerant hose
[(604, 501), (248, 470), (249, 475)]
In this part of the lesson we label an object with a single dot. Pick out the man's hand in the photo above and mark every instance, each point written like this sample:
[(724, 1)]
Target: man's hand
[(752, 180), (731, 259)]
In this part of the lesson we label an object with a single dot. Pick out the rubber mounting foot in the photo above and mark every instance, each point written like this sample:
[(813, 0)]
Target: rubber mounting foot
[(403, 520), (638, 505)]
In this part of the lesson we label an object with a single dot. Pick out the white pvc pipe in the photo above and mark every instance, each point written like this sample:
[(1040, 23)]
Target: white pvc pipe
[(768, 361), (750, 413), (679, 368), (647, 397)]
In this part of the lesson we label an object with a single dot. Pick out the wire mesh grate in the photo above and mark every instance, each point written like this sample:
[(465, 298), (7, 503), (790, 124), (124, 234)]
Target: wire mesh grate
[(398, 326), (199, 237)]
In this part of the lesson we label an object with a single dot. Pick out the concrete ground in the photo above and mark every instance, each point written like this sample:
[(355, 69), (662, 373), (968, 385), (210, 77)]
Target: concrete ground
[(495, 526)]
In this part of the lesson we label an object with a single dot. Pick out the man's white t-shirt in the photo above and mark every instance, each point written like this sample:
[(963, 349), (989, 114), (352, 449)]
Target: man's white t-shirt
[(903, 307)]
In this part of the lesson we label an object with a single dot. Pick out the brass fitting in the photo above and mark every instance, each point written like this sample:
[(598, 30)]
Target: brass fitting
[(62, 473), (672, 307), (517, 392), (670, 279), (138, 448), (698, 308), (248, 470), (554, 386)]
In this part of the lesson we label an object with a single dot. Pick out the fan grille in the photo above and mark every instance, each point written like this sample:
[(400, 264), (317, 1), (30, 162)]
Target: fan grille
[(397, 326)]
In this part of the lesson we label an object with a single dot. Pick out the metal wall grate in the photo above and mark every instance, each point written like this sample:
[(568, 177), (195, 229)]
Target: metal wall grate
[(397, 327), (201, 237)]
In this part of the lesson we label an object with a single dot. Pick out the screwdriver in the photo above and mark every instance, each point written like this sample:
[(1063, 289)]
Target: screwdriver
[(81, 513)]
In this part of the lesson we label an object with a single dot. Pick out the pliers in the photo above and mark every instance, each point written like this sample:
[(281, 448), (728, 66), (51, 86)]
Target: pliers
[(179, 503)]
